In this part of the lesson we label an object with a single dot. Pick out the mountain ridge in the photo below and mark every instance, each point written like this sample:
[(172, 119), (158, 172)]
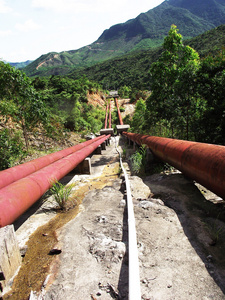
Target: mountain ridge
[(20, 65), (133, 69), (145, 31)]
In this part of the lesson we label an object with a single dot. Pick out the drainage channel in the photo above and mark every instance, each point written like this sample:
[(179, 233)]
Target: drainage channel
[(134, 276)]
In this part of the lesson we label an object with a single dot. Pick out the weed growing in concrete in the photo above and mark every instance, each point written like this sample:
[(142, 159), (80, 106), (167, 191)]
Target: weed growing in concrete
[(61, 194)]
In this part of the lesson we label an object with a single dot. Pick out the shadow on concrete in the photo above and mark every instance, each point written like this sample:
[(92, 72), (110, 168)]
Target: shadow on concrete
[(27, 214), (38, 207), (193, 209), (103, 160)]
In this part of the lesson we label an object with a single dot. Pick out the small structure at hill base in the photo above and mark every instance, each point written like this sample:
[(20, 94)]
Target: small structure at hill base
[(121, 128), (113, 94), (107, 131)]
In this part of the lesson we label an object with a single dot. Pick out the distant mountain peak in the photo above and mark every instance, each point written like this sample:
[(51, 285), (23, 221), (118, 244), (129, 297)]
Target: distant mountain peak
[(147, 30), (20, 65)]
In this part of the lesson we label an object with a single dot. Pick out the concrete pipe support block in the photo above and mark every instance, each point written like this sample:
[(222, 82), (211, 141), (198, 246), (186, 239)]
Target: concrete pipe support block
[(10, 258)]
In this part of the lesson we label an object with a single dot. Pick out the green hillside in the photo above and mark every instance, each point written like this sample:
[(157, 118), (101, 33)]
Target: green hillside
[(144, 32), (20, 65), (133, 69)]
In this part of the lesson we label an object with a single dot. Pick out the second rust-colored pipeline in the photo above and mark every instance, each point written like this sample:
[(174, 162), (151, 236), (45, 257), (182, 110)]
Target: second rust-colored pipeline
[(110, 115), (119, 114), (202, 162), (106, 116), (18, 196), (15, 173)]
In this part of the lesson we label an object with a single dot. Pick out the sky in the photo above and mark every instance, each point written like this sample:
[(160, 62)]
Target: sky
[(30, 28)]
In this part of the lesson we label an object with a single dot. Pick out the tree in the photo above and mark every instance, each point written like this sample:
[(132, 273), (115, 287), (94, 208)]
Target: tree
[(173, 83), (124, 91), (11, 147), (138, 122), (19, 99), (210, 127)]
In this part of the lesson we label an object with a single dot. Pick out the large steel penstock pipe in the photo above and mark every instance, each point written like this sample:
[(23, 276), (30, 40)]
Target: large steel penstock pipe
[(118, 110), (106, 116), (202, 162), (15, 173), (18, 196)]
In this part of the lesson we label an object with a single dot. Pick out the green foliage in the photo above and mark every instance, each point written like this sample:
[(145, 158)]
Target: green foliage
[(68, 99), (45, 103), (173, 79), (124, 91), (132, 69), (20, 65), (138, 160), (138, 123), (210, 125), (61, 194), (19, 100), (210, 42), (145, 31), (11, 148)]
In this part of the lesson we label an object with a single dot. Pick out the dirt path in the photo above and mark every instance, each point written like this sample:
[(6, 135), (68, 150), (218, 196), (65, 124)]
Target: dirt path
[(178, 254)]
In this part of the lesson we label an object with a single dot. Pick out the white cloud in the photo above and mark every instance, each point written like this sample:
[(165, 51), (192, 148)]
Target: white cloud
[(4, 8), (29, 25), (60, 5), (4, 33), (114, 5), (78, 6)]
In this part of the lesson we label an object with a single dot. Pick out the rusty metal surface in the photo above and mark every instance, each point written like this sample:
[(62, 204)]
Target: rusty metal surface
[(202, 162), (110, 115), (119, 114), (18, 196), (15, 173), (106, 116)]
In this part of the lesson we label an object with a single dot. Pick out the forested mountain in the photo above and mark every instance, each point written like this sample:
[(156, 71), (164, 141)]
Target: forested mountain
[(133, 69), (20, 65), (147, 30), (178, 93)]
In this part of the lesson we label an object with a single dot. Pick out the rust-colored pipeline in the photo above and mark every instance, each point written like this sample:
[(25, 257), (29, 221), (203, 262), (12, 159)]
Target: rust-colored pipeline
[(106, 116), (17, 197), (119, 114), (202, 162), (110, 115), (15, 173)]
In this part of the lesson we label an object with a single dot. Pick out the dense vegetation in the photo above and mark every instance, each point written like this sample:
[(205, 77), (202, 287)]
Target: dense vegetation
[(68, 99), (141, 33), (20, 65), (49, 106), (133, 69), (187, 99)]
